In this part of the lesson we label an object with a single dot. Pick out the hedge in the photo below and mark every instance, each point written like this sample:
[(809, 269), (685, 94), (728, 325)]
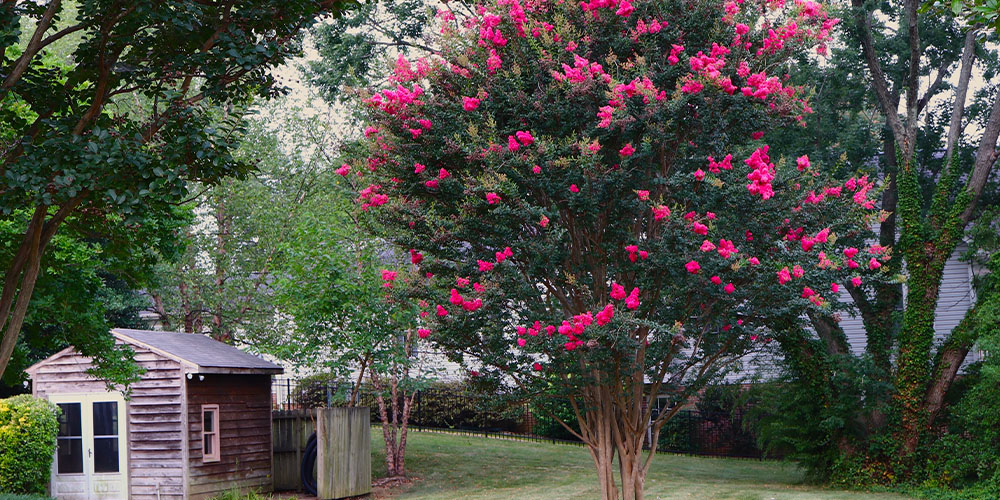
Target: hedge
[(28, 428)]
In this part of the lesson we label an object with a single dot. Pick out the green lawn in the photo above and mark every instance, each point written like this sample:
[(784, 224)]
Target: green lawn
[(451, 467)]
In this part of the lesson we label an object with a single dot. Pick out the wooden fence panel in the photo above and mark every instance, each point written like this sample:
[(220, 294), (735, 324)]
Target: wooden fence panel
[(344, 456), (291, 430)]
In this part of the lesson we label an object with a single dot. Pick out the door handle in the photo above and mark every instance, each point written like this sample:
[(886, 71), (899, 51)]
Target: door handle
[(90, 452)]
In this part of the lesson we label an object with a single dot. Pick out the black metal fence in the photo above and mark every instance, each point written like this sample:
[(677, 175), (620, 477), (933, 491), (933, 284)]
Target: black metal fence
[(449, 410)]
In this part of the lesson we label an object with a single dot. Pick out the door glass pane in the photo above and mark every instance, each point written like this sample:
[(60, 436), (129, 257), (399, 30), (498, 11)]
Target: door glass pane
[(69, 420), (106, 418), (105, 454), (69, 458)]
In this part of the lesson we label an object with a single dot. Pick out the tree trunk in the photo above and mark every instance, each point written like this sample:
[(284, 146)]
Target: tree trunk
[(22, 273), (916, 340)]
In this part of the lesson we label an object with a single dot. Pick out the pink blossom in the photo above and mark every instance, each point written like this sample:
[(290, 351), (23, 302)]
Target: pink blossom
[(415, 256), (757, 135), (470, 103), (443, 174), (699, 174), (423, 333), (512, 144), (632, 301), (418, 167), (856, 281), (834, 287), (462, 282), (388, 275), (594, 147), (643, 195), (492, 198), (850, 252), (692, 86), (797, 271), (852, 264), (485, 266), (525, 137), (742, 29), (707, 246), (455, 298), (624, 9), (627, 150), (536, 169), (573, 188), (726, 248), (729, 288), (754, 261), (433, 183), (617, 291), (802, 163), (477, 287), (493, 62), (660, 212), (716, 280), (441, 311), (605, 315), (784, 276), (699, 228), (415, 132), (692, 267), (537, 367), (544, 222), (874, 263), (343, 170), (807, 292), (521, 341)]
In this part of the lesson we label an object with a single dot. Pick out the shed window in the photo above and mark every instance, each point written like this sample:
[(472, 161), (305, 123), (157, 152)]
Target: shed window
[(210, 433)]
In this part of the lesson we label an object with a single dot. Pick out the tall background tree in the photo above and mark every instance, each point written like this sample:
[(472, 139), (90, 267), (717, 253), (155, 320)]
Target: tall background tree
[(121, 127), (919, 111)]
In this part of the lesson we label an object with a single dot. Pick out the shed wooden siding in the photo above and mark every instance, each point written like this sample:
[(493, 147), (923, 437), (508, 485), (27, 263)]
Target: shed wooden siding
[(245, 434), (154, 417)]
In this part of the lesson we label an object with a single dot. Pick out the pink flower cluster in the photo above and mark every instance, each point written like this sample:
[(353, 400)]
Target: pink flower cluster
[(762, 174)]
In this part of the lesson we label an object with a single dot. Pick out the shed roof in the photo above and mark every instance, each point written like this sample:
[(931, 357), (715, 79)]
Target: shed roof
[(200, 353)]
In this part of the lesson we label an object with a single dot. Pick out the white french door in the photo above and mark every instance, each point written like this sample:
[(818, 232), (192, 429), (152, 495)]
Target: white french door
[(91, 460)]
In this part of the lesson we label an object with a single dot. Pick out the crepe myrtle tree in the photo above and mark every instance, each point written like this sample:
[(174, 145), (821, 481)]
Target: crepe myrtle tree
[(589, 195), (121, 125)]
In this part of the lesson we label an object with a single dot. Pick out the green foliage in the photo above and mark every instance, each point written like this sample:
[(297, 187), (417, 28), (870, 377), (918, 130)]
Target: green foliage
[(547, 410), (28, 428), (316, 391), (353, 47)]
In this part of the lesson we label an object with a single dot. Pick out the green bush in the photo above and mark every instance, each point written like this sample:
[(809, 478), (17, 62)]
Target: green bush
[(28, 428), (311, 391)]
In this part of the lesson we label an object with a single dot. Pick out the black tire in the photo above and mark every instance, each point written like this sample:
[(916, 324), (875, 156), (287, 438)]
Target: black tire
[(309, 466)]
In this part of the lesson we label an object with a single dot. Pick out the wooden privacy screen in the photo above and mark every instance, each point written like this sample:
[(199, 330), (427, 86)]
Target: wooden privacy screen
[(344, 455)]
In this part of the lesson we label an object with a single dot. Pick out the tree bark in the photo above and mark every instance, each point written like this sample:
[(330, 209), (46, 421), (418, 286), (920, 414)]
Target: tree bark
[(21, 275)]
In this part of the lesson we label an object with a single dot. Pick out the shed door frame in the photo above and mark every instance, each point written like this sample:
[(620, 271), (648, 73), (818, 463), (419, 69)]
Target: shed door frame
[(96, 482)]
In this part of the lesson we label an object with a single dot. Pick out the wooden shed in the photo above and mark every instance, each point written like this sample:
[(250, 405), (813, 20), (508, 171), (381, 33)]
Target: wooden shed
[(197, 423)]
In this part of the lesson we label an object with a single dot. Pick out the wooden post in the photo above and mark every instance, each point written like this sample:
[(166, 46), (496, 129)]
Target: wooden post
[(343, 452)]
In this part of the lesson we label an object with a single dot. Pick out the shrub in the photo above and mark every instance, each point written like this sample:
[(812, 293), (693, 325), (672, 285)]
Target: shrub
[(311, 391), (28, 428), (451, 406)]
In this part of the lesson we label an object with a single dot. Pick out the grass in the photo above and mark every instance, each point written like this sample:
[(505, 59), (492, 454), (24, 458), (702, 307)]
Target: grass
[(7, 496), (453, 467)]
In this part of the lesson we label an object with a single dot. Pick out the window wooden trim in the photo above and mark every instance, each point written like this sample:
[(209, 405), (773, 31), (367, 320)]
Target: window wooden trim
[(215, 456)]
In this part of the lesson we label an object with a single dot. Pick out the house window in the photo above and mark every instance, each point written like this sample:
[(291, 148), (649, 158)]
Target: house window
[(210, 433)]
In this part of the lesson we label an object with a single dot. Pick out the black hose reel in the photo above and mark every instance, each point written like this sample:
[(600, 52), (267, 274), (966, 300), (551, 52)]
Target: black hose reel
[(308, 470)]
